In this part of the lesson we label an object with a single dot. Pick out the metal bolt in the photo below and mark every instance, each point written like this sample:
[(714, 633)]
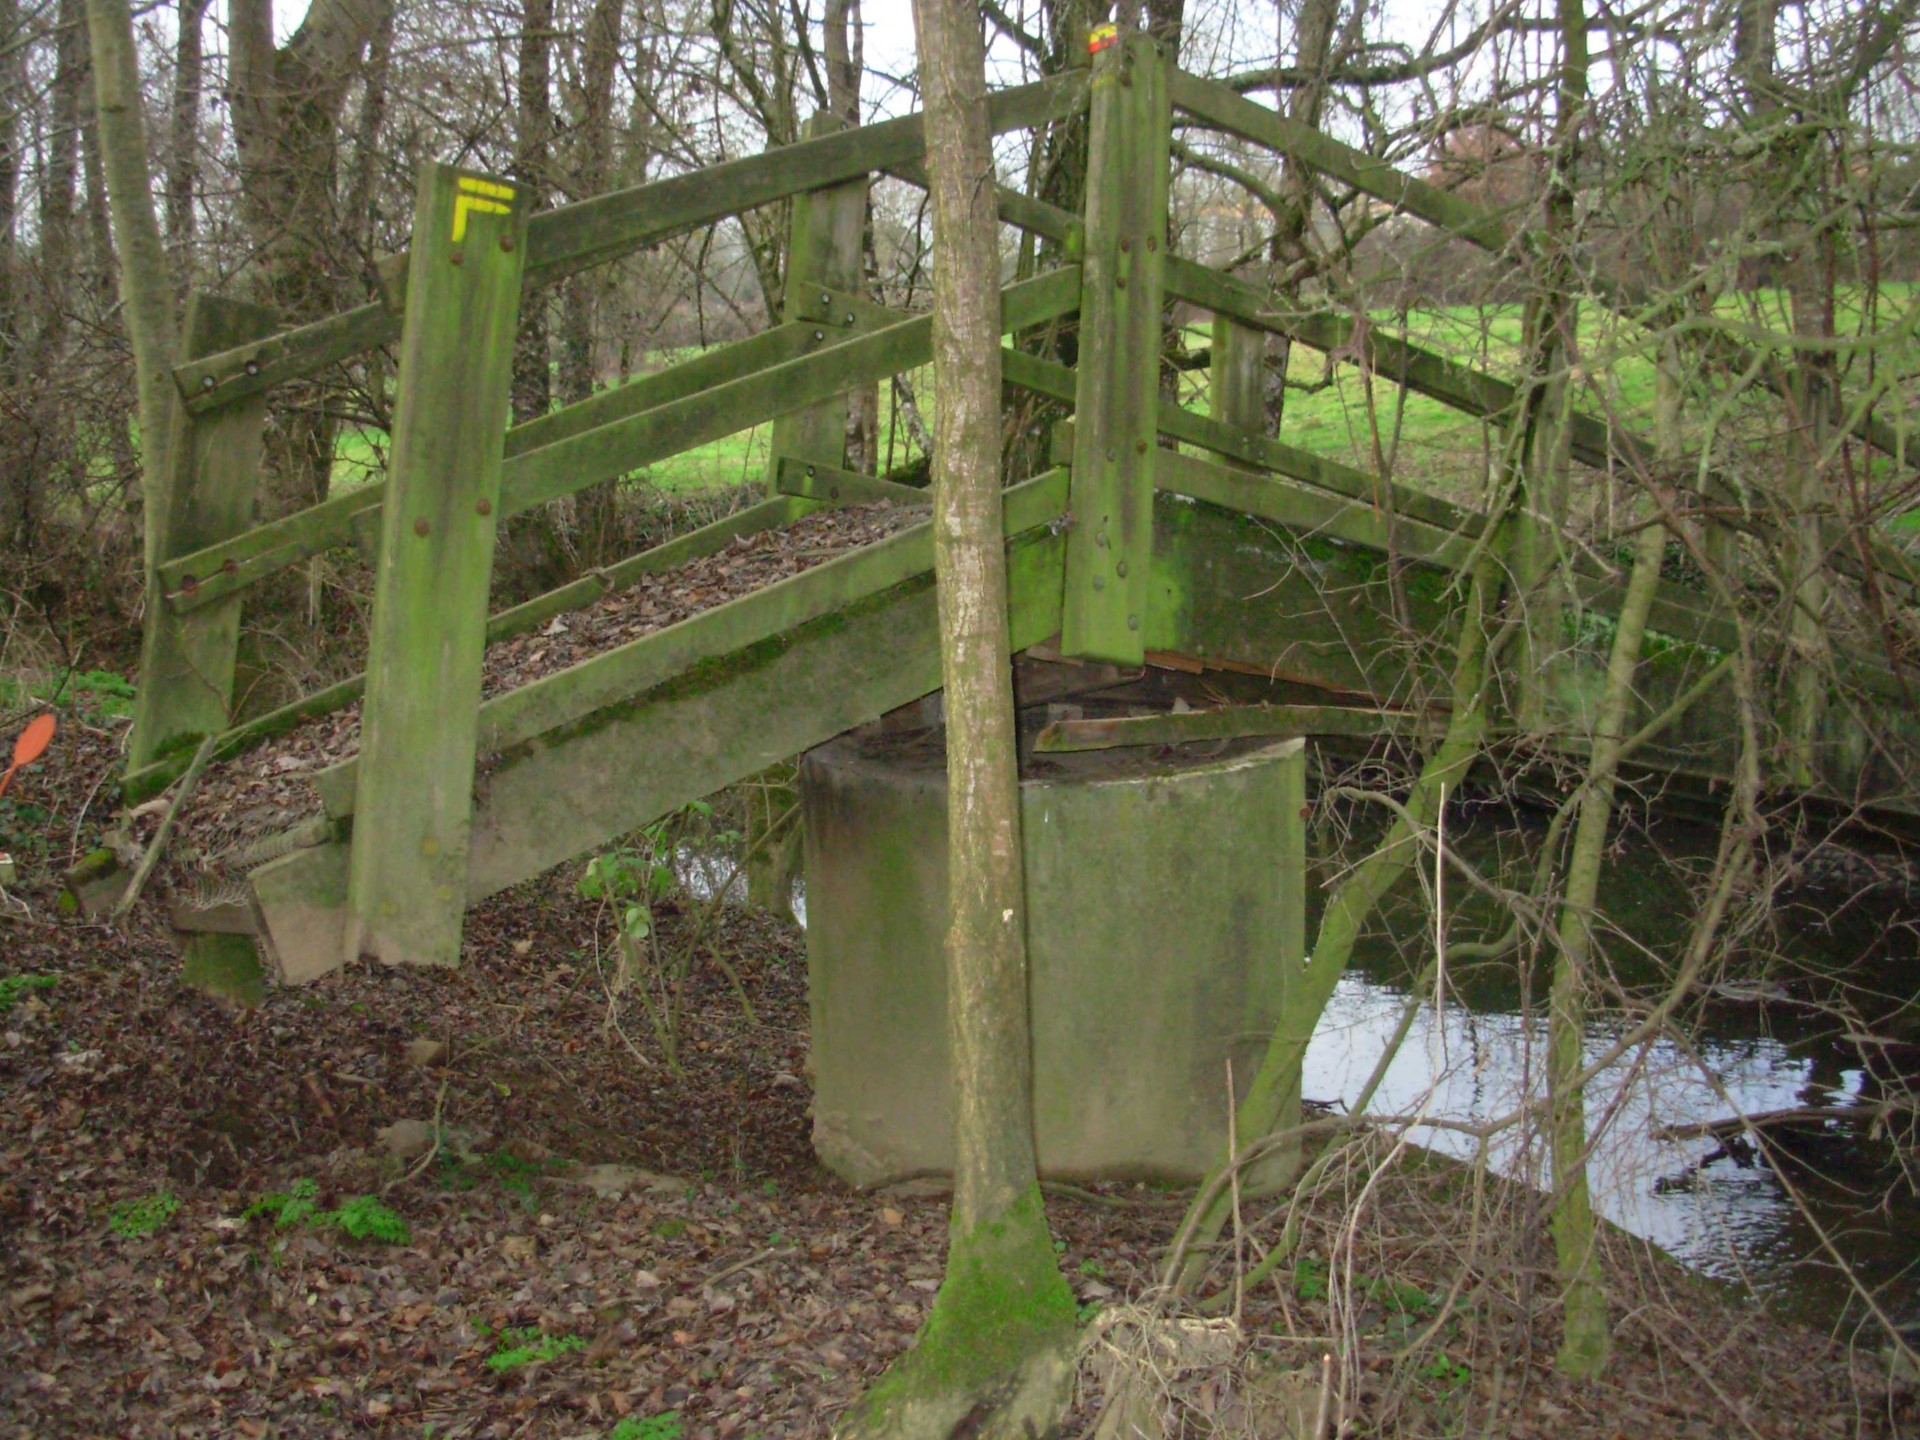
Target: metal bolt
[(253, 367), (1125, 246), (189, 584), (206, 382), (483, 507), (825, 298), (1119, 282), (1121, 569), (811, 472), (506, 242), (833, 492), (1133, 622), (1153, 242), (1099, 582), (229, 566), (1139, 447), (1100, 538), (420, 527), (1113, 455), (819, 335), (456, 258), (849, 317)]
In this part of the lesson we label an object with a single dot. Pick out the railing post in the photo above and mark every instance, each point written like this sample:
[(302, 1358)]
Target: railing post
[(413, 805), (1117, 400), (824, 250), (187, 660), (1236, 379)]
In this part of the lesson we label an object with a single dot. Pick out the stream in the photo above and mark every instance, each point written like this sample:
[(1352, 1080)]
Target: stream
[(1472, 1056)]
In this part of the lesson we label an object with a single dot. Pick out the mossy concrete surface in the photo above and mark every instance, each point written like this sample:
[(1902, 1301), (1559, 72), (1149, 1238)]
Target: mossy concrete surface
[(1165, 907)]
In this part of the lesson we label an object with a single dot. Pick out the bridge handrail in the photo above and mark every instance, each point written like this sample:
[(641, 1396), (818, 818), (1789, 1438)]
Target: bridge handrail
[(575, 237)]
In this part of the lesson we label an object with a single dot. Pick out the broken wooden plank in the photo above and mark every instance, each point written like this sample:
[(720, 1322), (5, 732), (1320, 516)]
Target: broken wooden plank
[(831, 485)]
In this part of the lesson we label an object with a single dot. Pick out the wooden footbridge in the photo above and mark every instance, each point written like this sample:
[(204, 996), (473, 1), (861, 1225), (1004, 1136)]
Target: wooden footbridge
[(1161, 536)]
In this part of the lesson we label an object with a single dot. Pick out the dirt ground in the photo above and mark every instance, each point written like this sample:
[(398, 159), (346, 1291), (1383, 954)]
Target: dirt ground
[(716, 1283)]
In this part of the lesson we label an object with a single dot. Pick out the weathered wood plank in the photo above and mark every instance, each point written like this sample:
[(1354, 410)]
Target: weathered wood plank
[(824, 254), (524, 715), (1117, 396), (575, 460), (186, 661), (150, 780), (1022, 211), (1230, 722), (407, 881), (829, 485), (574, 237), (548, 802)]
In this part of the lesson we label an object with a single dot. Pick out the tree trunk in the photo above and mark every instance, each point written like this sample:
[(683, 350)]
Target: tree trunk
[(144, 283), (997, 1351), (596, 516), (1587, 1337), (285, 103), (183, 149), (532, 160)]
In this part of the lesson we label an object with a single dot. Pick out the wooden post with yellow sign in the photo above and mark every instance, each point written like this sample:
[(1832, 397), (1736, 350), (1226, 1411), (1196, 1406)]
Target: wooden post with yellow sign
[(1117, 397), (413, 805)]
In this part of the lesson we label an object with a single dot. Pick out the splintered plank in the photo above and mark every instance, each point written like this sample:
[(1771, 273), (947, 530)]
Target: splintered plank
[(407, 883)]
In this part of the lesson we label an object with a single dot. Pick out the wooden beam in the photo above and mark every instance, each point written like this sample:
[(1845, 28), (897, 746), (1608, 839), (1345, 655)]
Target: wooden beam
[(621, 767), (186, 661), (571, 696), (1223, 109), (407, 883), (1231, 722), (830, 485), (150, 780), (577, 459), (575, 237), (1117, 397), (824, 253)]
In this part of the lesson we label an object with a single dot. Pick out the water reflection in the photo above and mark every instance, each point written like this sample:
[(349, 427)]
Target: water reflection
[(1475, 1066)]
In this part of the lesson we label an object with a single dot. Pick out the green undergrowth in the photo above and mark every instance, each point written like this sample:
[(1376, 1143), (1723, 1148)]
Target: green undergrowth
[(15, 988), (664, 1426), (530, 1347), (137, 1219), (361, 1218), (91, 694)]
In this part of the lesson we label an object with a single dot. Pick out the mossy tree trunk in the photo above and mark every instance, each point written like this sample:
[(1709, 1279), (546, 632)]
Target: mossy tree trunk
[(996, 1355), (1587, 1338), (144, 281)]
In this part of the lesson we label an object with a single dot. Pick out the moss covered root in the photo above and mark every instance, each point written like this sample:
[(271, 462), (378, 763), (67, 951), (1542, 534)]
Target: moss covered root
[(998, 1350)]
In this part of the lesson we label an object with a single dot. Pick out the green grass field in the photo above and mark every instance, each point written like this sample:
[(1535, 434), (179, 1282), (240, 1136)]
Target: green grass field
[(1331, 409)]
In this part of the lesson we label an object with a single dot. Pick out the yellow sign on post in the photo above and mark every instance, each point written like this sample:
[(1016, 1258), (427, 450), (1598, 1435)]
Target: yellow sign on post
[(486, 197)]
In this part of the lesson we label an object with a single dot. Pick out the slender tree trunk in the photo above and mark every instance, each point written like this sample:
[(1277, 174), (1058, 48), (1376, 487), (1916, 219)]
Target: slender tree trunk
[(144, 282), (532, 160), (997, 1350), (1588, 1338), (595, 511), (844, 43), (183, 149), (1314, 24), (1273, 1097)]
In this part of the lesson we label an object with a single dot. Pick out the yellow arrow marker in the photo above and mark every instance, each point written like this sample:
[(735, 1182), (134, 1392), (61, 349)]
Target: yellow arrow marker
[(477, 196)]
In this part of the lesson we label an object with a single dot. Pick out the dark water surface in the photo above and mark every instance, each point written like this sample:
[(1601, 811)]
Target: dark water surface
[(1475, 1055)]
